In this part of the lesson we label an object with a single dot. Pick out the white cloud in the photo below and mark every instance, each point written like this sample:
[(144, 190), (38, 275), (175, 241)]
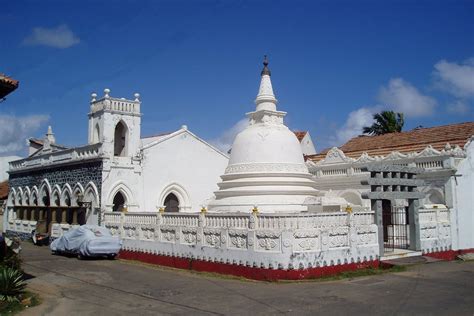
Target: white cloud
[(15, 130), (458, 107), (457, 79), (354, 124), (401, 96), (59, 37), (225, 140)]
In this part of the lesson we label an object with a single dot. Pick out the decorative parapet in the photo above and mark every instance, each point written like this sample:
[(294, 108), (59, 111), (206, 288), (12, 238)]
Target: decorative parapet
[(283, 241), (87, 152), (337, 164), (107, 103), (435, 229)]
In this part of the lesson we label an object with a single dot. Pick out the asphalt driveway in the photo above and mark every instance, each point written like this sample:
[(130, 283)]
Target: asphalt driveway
[(69, 286)]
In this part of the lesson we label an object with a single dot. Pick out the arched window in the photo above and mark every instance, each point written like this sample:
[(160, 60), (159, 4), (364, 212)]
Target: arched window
[(119, 202), (120, 139), (45, 198), (34, 199), (435, 197), (56, 199), (171, 203), (67, 199), (97, 133)]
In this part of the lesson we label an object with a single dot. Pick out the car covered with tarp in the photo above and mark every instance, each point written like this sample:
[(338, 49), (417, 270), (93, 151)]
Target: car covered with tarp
[(87, 241)]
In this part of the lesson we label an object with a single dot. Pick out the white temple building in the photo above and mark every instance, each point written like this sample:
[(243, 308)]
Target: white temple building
[(264, 212), (118, 170)]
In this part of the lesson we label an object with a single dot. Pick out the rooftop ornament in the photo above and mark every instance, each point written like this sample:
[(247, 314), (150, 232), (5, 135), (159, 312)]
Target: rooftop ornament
[(106, 93), (137, 97)]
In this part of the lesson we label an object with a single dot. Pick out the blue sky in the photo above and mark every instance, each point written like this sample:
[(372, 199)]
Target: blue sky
[(333, 63)]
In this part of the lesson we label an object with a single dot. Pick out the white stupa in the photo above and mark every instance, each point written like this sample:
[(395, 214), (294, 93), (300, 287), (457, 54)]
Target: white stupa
[(266, 167)]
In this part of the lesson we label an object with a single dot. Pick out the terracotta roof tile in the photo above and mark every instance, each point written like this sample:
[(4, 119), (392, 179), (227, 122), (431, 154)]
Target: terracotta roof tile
[(4, 190), (7, 85), (300, 135), (405, 142)]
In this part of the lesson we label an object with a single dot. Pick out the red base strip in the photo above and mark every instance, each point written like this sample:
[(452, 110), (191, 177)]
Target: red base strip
[(244, 271), (449, 254)]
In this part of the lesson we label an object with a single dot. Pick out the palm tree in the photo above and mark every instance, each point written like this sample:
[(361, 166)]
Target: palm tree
[(385, 122)]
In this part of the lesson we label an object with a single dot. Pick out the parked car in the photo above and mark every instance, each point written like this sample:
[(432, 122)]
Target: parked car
[(87, 241)]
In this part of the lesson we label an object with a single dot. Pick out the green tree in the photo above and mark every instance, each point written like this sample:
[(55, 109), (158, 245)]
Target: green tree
[(385, 122)]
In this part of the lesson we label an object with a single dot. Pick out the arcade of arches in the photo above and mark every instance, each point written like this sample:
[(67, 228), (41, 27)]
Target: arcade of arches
[(50, 208)]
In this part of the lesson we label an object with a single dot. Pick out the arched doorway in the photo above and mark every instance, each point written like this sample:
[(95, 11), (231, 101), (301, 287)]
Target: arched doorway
[(120, 139), (119, 202), (171, 203)]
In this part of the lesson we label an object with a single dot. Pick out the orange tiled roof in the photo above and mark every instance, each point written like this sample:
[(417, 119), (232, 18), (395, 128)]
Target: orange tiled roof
[(7, 85), (300, 135), (4, 190), (405, 142)]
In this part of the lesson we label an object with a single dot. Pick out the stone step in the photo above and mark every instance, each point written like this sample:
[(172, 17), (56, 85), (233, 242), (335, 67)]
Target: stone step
[(412, 260)]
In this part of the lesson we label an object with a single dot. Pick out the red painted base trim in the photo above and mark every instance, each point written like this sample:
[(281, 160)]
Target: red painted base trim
[(244, 271), (449, 254)]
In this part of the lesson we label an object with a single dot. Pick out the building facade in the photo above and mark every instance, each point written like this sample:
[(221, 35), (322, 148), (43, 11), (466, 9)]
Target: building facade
[(118, 170), (444, 153)]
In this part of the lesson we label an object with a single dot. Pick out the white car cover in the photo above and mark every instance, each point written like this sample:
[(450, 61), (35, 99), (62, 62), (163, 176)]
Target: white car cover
[(87, 240)]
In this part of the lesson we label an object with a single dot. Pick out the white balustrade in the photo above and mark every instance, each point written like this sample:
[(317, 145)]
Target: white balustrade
[(78, 153)]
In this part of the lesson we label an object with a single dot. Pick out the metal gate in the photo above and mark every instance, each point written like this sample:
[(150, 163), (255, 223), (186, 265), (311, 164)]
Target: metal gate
[(396, 228)]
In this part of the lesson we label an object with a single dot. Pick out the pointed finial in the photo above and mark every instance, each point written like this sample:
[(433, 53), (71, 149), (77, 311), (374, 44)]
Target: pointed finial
[(50, 135), (265, 70)]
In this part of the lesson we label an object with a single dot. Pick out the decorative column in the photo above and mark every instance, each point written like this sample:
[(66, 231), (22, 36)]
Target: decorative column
[(74, 216), (63, 215), (414, 220)]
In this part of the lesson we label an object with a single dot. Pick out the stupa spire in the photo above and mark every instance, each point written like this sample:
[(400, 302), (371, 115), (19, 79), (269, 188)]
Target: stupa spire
[(266, 98)]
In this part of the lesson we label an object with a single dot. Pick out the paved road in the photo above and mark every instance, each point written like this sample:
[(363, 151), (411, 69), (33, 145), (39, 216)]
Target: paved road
[(102, 287)]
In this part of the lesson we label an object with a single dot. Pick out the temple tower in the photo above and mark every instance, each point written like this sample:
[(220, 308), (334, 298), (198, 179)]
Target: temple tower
[(266, 167), (115, 122)]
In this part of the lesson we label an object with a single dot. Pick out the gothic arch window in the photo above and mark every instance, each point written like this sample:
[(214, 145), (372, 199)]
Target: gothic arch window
[(18, 199), (67, 199), (171, 203), (119, 202), (34, 199), (120, 139), (45, 198)]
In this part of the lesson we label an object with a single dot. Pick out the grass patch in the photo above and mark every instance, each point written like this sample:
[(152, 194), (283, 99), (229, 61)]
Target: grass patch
[(341, 276), (27, 300), (363, 272)]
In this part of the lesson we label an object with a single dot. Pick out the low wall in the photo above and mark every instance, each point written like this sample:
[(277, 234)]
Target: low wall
[(260, 241), (435, 230)]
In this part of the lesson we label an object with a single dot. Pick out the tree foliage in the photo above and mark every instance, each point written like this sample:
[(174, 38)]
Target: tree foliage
[(385, 122)]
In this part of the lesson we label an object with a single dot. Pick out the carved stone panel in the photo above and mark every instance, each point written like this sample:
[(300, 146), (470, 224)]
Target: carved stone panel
[(212, 238), (168, 234), (189, 236), (306, 240), (339, 237), (238, 239), (268, 241)]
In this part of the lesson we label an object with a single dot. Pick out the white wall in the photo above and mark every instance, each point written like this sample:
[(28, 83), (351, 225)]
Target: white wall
[(464, 197), (307, 145), (179, 163), (185, 165), (4, 166)]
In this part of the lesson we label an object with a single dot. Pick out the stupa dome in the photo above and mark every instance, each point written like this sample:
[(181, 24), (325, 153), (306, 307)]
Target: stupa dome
[(266, 166)]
